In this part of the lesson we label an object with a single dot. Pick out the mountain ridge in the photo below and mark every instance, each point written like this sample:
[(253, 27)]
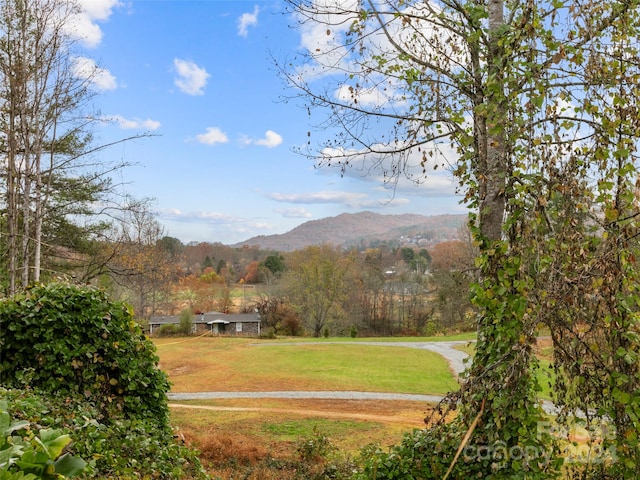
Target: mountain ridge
[(362, 229)]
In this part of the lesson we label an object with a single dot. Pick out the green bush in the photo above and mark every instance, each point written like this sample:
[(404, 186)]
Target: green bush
[(353, 332), (268, 333), (74, 340), (186, 322), (123, 448), (31, 452), (168, 330), (427, 454)]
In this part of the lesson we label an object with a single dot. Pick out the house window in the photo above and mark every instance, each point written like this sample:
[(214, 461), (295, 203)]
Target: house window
[(238, 327)]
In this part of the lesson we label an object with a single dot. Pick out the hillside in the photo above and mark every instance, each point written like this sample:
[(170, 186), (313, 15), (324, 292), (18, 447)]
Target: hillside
[(363, 229)]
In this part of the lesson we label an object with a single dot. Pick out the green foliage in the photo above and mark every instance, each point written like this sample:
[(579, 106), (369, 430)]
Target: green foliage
[(275, 264), (315, 448), (122, 448), (429, 454), (269, 333), (353, 332), (423, 454), (29, 454), (167, 330), (74, 340), (186, 322)]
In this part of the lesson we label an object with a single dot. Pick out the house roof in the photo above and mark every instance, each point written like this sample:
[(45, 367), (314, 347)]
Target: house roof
[(207, 318)]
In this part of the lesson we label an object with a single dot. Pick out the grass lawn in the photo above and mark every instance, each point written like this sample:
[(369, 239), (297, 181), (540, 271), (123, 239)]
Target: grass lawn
[(254, 432), (240, 438), (237, 364)]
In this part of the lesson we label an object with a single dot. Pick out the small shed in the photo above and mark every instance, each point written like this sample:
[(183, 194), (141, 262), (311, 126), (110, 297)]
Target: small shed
[(216, 323)]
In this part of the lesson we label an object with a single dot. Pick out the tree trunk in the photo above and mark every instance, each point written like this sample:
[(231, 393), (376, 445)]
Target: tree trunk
[(492, 203)]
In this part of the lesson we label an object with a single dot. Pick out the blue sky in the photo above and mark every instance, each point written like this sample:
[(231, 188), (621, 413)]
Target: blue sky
[(221, 166)]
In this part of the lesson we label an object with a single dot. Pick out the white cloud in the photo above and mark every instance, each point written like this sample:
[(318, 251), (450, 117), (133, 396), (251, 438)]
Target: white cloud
[(324, 36), (136, 123), (371, 97), (247, 20), (100, 78), (406, 173), (212, 136), (204, 225), (297, 212), (191, 79), (83, 25), (208, 217), (99, 9), (351, 199), (271, 139)]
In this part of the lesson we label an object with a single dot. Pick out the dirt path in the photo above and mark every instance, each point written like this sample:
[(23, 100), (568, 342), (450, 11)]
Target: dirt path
[(333, 395)]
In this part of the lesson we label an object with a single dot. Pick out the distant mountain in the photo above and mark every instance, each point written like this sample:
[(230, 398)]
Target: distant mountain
[(363, 229)]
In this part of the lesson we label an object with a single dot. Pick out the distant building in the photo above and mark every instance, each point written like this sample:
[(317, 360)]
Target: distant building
[(216, 323)]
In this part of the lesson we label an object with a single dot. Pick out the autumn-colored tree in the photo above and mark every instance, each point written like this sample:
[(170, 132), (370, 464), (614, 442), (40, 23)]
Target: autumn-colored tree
[(252, 272), (204, 293), (139, 266), (278, 315), (451, 255)]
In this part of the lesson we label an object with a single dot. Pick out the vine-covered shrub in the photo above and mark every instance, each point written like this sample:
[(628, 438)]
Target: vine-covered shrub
[(122, 448), (70, 339), (434, 454)]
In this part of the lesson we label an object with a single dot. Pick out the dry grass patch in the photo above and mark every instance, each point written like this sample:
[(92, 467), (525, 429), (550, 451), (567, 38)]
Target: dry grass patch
[(262, 441), (261, 438)]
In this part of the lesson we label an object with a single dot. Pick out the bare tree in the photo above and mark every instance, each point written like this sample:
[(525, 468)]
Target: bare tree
[(137, 261)]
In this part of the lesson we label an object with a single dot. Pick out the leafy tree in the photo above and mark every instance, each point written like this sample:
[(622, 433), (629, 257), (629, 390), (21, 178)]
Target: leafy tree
[(207, 263), (251, 274), (408, 254), (172, 245), (186, 321), (424, 253), (220, 266), (275, 264), (533, 104), (205, 292), (315, 280)]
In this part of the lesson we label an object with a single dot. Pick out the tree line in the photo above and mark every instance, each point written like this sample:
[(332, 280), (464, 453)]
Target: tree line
[(379, 290)]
